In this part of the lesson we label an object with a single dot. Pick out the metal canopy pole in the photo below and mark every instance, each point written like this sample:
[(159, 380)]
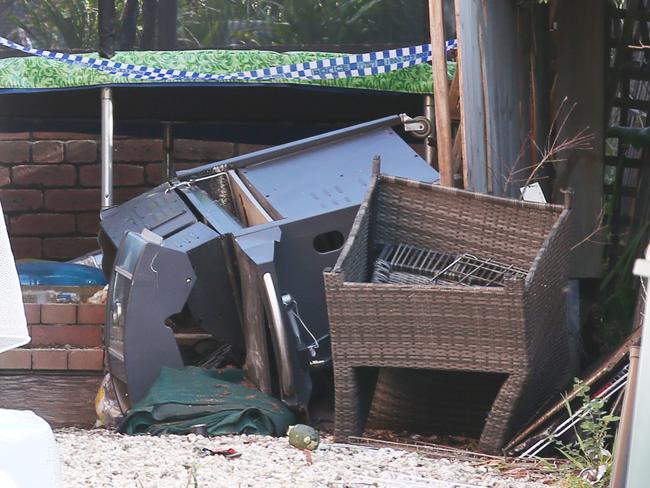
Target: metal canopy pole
[(168, 146), (107, 147)]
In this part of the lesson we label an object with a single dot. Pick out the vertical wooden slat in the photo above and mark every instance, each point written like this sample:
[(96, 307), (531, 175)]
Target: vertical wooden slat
[(454, 95), (454, 108), (486, 81), (457, 151), (441, 92)]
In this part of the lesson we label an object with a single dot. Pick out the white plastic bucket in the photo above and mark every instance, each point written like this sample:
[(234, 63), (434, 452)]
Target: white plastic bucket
[(28, 457)]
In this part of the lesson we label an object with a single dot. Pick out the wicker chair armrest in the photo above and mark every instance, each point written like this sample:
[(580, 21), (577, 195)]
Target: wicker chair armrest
[(554, 251)]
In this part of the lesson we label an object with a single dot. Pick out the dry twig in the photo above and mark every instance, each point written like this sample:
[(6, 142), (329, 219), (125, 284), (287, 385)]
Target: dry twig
[(554, 150), (555, 147), (640, 46)]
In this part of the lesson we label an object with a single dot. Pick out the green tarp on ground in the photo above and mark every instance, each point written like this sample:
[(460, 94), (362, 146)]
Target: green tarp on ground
[(182, 398), (39, 73)]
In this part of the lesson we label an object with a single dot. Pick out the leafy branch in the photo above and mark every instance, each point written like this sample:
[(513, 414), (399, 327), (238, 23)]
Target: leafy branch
[(590, 460)]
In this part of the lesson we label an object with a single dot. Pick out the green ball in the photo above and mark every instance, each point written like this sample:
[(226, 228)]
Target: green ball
[(303, 437)]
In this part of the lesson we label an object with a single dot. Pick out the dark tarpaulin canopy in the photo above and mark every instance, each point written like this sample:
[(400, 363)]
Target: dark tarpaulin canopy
[(44, 95), (261, 114), (38, 94), (183, 32)]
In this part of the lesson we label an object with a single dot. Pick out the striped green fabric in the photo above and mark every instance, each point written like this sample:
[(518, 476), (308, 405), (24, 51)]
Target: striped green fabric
[(40, 73)]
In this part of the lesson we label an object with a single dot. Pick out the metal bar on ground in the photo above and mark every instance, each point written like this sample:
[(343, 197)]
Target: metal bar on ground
[(612, 388), (603, 369), (441, 92), (107, 147)]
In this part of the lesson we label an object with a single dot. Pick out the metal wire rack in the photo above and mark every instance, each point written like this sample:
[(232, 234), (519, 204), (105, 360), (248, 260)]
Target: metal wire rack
[(404, 264)]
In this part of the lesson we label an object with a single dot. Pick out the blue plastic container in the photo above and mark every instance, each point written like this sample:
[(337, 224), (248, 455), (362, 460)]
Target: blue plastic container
[(52, 273)]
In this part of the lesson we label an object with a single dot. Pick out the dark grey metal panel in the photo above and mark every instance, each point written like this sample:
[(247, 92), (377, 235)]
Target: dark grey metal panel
[(158, 210), (300, 269), (147, 287), (335, 175), (286, 250), (293, 384), (212, 302)]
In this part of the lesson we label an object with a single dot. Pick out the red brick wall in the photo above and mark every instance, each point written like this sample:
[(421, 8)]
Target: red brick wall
[(58, 373), (65, 337), (50, 185)]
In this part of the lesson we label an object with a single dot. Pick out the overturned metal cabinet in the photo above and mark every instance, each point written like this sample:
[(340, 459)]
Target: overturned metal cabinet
[(237, 248)]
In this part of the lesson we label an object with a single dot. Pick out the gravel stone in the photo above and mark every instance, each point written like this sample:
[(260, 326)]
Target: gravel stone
[(100, 458)]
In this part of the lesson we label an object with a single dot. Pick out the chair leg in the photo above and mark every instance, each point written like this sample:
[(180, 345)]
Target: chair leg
[(497, 425), (354, 389)]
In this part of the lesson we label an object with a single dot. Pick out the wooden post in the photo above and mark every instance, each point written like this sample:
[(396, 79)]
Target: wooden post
[(580, 65), (441, 92)]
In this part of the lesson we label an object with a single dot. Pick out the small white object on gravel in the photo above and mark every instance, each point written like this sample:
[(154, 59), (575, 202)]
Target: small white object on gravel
[(100, 458)]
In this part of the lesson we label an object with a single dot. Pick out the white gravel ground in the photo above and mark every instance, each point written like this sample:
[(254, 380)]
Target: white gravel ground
[(99, 458)]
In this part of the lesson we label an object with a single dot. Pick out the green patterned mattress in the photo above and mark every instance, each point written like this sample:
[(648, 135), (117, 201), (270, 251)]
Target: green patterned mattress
[(34, 73)]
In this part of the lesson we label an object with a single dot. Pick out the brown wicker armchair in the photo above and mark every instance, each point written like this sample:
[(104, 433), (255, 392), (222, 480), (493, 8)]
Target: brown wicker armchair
[(513, 334)]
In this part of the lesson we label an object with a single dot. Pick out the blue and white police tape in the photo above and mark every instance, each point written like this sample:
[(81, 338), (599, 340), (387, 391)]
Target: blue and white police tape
[(347, 66)]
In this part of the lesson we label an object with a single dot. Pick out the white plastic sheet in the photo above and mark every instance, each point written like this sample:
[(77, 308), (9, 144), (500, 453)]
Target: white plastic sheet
[(27, 448), (13, 326)]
